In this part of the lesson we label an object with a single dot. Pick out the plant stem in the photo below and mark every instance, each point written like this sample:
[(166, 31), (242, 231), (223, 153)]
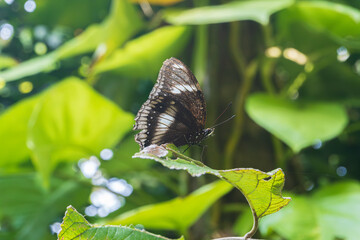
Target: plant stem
[(279, 152), (239, 112), (235, 28), (267, 69)]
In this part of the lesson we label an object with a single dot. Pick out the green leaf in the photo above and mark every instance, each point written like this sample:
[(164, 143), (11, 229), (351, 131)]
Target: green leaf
[(262, 190), (72, 121), (298, 124), (256, 10), (13, 132), (339, 21), (142, 57), (30, 209), (330, 213), (30, 67), (75, 226), (122, 23), (177, 214)]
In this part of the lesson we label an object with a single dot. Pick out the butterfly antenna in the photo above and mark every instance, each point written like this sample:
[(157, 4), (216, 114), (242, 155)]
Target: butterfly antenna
[(227, 107), (223, 121)]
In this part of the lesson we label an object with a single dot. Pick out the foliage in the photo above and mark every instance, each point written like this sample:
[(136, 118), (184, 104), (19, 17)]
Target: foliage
[(177, 214), (35, 208), (75, 226), (298, 124), (262, 190), (72, 77), (232, 11), (328, 214)]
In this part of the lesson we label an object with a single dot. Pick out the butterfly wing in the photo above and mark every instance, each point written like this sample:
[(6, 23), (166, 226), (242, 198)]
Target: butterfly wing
[(175, 108)]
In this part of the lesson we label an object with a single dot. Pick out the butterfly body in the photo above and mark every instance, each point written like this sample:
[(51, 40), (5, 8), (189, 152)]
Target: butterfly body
[(175, 111)]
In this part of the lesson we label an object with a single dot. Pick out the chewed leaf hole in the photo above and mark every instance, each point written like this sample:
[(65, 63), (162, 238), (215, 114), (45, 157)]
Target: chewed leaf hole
[(267, 178)]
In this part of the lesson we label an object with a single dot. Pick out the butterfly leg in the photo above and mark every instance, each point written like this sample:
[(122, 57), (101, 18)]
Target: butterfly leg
[(189, 144), (202, 151), (186, 149)]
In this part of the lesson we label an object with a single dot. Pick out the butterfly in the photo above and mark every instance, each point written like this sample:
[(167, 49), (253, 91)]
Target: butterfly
[(175, 111)]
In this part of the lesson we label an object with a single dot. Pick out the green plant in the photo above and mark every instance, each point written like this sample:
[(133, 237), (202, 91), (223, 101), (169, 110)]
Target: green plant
[(73, 75)]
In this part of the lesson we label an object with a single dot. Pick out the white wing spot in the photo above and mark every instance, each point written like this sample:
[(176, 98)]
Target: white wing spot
[(177, 89), (166, 119), (178, 66)]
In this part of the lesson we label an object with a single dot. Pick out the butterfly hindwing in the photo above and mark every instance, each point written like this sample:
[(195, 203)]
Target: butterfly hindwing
[(175, 110)]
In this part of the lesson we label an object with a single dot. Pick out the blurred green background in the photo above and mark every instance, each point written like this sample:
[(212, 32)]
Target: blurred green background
[(73, 75)]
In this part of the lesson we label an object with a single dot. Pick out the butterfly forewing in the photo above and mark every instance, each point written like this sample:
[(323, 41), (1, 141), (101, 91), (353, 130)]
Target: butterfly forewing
[(175, 109)]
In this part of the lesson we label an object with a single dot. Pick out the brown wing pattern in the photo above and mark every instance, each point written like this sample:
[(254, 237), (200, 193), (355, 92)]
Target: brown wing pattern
[(175, 107), (178, 81)]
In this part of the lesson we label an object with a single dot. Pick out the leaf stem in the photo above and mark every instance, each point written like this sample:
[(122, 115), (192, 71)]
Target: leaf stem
[(255, 226)]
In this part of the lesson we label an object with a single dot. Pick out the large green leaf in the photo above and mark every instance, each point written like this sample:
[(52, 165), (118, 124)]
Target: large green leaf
[(177, 214), (298, 124), (75, 226), (13, 132), (122, 23), (262, 190), (330, 213), (30, 209), (256, 10), (73, 121), (339, 21), (143, 56)]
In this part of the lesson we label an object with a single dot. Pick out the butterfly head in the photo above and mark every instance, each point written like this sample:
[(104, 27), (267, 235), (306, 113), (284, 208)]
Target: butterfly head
[(193, 139), (207, 132)]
